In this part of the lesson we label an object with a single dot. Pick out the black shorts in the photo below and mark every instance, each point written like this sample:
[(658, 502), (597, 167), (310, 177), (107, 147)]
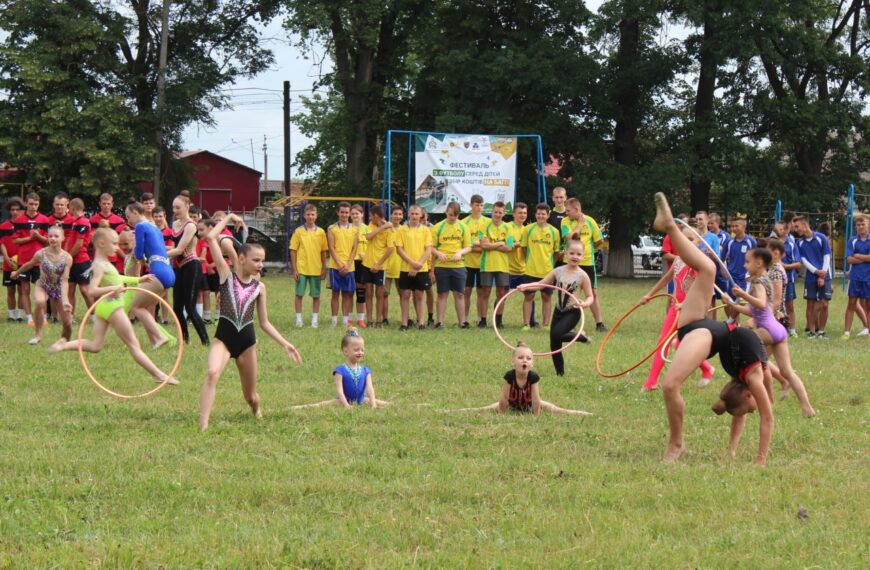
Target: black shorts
[(419, 282), (369, 277), (8, 281), (214, 282), (202, 282), (80, 273), (32, 275), (472, 277), (358, 271), (746, 352), (593, 275)]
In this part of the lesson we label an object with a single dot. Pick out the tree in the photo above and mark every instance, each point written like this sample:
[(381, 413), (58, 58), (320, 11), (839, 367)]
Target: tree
[(80, 78)]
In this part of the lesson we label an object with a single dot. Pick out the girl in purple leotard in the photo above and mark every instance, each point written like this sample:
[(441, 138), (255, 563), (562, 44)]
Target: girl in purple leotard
[(772, 333)]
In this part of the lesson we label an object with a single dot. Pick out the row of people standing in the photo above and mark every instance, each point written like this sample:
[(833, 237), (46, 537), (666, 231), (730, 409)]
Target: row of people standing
[(455, 256)]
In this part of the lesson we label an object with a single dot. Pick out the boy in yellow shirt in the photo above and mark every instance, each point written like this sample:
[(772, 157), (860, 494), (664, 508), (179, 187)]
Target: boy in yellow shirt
[(380, 244), (475, 224), (342, 241), (357, 218), (451, 240), (517, 257), (308, 257), (579, 226), (497, 244), (414, 246), (541, 245)]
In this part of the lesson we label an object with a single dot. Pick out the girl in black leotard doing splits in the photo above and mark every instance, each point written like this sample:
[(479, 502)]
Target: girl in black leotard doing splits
[(241, 292), (521, 390), (740, 351)]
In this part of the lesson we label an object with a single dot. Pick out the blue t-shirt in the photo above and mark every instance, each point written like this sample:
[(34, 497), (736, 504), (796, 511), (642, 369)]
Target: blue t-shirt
[(792, 255), (353, 382), (735, 256), (814, 251), (723, 239), (860, 271), (712, 240)]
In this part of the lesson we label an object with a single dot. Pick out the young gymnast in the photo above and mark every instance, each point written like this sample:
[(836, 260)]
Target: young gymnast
[(240, 293), (682, 276), (740, 352), (112, 311), (772, 333), (521, 391), (353, 380), (53, 284), (566, 313)]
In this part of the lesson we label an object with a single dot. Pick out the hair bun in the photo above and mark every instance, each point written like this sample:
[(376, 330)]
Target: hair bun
[(351, 331)]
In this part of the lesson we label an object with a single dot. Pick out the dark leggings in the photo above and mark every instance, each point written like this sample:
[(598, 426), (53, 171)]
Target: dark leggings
[(184, 294), (561, 332)]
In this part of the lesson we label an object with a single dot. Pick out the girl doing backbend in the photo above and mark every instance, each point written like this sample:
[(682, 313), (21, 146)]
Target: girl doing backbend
[(740, 352)]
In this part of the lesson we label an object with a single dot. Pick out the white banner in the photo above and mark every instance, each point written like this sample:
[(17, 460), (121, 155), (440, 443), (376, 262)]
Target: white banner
[(452, 168)]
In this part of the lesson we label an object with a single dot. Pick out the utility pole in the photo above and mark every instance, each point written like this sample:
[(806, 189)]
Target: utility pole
[(161, 95), (286, 138), (253, 164), (265, 161)]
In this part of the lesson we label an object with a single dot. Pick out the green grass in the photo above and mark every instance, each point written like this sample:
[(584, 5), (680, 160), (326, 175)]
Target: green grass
[(88, 480)]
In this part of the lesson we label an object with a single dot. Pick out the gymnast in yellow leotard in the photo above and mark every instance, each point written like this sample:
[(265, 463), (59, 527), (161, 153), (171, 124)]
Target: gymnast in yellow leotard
[(105, 242)]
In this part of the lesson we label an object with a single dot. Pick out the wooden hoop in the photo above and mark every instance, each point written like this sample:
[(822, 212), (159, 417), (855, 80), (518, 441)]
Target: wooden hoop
[(84, 363)]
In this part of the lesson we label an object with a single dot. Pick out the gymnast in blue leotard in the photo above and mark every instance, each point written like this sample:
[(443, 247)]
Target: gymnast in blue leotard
[(149, 250)]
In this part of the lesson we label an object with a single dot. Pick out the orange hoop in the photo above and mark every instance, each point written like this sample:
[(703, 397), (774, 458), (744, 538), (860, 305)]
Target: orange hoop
[(616, 326), (87, 370)]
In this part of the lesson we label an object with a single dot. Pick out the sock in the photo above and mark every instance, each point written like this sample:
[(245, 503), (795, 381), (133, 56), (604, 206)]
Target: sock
[(314, 319), (206, 315), (730, 321), (847, 333), (12, 313), (334, 320), (346, 320), (199, 309), (298, 317), (360, 316), (498, 320), (29, 318)]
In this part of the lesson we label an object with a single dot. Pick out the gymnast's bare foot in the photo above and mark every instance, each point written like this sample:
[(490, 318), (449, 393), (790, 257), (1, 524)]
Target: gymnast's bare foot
[(808, 412), (664, 217), (171, 381), (673, 452)]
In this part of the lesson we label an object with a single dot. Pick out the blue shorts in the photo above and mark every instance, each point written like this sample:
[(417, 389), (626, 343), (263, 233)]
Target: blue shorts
[(859, 289), (163, 273), (339, 282), (812, 291), (790, 294), (516, 281)]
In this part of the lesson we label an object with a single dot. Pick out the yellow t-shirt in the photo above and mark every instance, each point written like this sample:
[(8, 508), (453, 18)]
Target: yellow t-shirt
[(541, 245), (492, 260), (589, 234), (448, 239), (308, 245), (394, 265), (343, 240), (475, 229), (516, 258), (361, 229), (414, 242), (377, 246)]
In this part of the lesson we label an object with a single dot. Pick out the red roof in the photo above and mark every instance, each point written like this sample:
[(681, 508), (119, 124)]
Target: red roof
[(190, 153)]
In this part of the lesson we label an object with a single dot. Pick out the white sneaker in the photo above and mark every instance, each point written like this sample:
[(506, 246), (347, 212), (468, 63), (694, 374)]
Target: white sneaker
[(299, 324), (314, 325), (34, 340), (864, 332)]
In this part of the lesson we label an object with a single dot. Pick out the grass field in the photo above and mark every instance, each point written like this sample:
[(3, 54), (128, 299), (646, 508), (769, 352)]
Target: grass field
[(88, 480)]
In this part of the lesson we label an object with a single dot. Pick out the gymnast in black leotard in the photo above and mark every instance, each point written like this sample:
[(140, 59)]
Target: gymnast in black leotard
[(740, 352), (241, 292)]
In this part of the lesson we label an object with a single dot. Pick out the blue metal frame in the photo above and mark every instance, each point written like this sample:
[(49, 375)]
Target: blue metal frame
[(387, 190), (850, 230)]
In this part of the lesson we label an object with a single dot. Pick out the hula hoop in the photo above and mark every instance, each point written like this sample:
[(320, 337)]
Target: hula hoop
[(87, 370), (718, 260), (616, 326), (572, 341), (667, 343)]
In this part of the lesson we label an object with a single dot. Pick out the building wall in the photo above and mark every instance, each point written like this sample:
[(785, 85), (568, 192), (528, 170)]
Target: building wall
[(223, 186)]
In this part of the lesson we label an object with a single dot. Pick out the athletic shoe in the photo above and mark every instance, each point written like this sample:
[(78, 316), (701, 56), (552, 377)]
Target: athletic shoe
[(11, 320), (361, 324), (403, 328), (584, 339), (811, 334), (481, 324), (20, 319), (34, 340), (822, 335), (385, 323), (465, 325), (527, 328), (314, 325), (439, 326), (431, 322), (31, 324), (207, 321), (599, 327), (864, 332), (846, 336), (792, 333), (299, 324), (421, 327), (704, 382)]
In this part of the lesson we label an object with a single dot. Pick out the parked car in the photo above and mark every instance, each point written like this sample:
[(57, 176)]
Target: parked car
[(647, 249)]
